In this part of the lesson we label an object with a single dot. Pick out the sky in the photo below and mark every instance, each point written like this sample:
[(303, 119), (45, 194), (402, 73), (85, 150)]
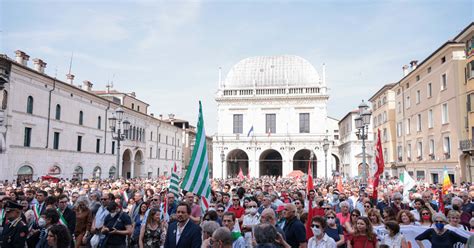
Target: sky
[(169, 52)]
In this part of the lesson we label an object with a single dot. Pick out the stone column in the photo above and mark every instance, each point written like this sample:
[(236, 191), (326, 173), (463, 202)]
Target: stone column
[(132, 169)]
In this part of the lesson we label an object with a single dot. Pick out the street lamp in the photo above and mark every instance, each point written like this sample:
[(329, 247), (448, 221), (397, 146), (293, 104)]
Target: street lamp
[(326, 148), (362, 122), (222, 162), (116, 126)]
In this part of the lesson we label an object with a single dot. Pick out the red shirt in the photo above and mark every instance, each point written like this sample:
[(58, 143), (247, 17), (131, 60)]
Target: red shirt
[(238, 211), (361, 241)]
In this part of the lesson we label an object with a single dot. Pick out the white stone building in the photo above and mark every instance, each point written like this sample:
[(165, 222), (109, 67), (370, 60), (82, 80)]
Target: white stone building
[(272, 119), (52, 127)]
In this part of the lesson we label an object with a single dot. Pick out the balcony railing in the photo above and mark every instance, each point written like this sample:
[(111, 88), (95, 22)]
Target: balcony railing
[(466, 145)]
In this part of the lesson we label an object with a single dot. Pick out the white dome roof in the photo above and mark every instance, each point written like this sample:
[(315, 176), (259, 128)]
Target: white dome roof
[(272, 71)]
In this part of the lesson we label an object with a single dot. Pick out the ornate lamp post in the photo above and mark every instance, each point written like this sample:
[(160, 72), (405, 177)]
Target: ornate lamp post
[(362, 122), (116, 126), (222, 161), (326, 148)]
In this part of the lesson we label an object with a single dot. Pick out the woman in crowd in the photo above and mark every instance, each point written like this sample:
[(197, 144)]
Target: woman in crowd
[(320, 239), (351, 225), (364, 236), (299, 207), (344, 216), (367, 206), (333, 229), (426, 217), (59, 237), (83, 221), (394, 239), (454, 218), (439, 236), (149, 193), (151, 231), (418, 204), (389, 214), (374, 217), (406, 218), (137, 222)]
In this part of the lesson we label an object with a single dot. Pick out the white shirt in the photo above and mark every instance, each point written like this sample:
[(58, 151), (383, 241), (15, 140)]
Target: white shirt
[(179, 230), (250, 220), (325, 242), (100, 217), (395, 241)]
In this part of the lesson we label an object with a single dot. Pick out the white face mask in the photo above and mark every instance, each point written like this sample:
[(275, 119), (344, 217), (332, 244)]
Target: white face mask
[(41, 222), (331, 221), (316, 231), (252, 211), (113, 214)]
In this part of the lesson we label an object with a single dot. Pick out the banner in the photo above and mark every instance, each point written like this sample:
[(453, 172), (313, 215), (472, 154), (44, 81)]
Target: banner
[(411, 231)]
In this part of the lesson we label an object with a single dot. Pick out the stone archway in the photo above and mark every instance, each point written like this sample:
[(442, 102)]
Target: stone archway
[(112, 172), (270, 163), (302, 158), (25, 173), (337, 164), (237, 159), (96, 174), (126, 163), (137, 164), (54, 171), (78, 173)]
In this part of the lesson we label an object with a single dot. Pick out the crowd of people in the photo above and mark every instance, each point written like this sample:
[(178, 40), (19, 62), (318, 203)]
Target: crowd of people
[(257, 212)]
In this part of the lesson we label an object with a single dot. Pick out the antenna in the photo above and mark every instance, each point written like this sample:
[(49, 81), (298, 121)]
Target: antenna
[(70, 62)]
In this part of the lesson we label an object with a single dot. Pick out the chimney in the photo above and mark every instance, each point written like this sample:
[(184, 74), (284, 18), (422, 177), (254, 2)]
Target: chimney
[(70, 78), (413, 64), (405, 70), (21, 57), (152, 115), (133, 94), (39, 65), (86, 85)]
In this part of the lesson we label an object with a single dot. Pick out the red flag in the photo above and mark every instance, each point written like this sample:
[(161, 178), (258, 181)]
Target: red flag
[(241, 174), (310, 186), (440, 201), (380, 165)]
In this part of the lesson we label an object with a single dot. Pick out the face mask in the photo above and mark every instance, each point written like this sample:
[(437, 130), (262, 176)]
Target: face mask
[(426, 217), (113, 214), (41, 222), (253, 211), (331, 221), (316, 231), (439, 225)]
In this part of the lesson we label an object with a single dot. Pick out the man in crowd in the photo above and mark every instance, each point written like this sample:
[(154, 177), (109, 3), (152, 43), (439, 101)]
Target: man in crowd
[(183, 233), (236, 208), (295, 231), (229, 221), (66, 215), (15, 231), (222, 238)]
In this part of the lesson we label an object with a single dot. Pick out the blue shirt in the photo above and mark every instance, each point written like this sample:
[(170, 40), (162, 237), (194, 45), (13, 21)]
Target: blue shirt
[(295, 232)]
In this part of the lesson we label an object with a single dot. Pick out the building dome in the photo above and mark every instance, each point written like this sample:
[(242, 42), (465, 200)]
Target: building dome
[(272, 71)]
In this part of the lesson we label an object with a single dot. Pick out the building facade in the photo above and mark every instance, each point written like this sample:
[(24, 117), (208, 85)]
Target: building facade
[(272, 119), (350, 147), (52, 127), (383, 119), (430, 115), (467, 141)]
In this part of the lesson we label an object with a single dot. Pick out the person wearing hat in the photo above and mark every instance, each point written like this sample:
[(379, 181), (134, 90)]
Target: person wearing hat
[(15, 230)]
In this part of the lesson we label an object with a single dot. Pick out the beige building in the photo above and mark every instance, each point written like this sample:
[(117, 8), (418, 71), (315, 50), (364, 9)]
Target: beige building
[(430, 115), (467, 140), (384, 119)]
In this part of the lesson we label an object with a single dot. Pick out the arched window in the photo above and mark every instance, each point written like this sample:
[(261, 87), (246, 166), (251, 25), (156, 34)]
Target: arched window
[(58, 112), (99, 122), (81, 117), (29, 105)]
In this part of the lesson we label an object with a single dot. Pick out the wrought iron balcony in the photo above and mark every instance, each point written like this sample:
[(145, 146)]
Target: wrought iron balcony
[(466, 145)]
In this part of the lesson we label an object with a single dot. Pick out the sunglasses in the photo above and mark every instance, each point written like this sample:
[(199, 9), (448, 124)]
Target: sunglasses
[(330, 217), (356, 215), (317, 226), (425, 214), (297, 203), (367, 206), (438, 221), (155, 199), (220, 210), (235, 200), (103, 199), (251, 206)]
